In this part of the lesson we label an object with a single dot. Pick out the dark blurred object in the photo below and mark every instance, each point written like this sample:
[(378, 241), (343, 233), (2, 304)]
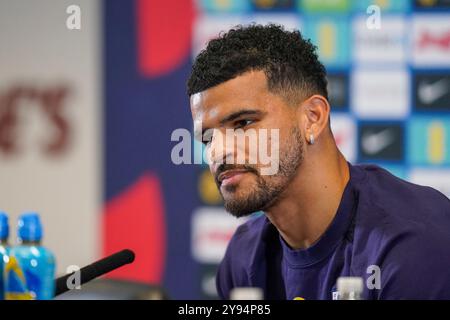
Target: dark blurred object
[(109, 289), (96, 269)]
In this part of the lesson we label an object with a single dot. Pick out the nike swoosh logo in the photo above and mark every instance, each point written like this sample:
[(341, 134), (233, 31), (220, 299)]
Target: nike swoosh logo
[(430, 92), (373, 143)]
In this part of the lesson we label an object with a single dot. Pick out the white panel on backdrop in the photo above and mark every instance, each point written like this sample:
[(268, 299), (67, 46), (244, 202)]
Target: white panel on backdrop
[(431, 40), (384, 45), (212, 229), (344, 132), (50, 123), (380, 93)]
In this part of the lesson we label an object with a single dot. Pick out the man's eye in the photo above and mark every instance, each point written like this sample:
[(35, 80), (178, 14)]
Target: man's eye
[(207, 139), (243, 123)]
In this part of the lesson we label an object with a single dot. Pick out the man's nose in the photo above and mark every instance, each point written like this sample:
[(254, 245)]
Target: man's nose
[(221, 151)]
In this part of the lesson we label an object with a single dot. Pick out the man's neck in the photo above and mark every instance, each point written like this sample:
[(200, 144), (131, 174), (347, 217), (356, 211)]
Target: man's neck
[(309, 204)]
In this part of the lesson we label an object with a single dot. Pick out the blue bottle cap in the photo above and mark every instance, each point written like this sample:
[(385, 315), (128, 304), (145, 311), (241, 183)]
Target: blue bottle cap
[(4, 226), (29, 227)]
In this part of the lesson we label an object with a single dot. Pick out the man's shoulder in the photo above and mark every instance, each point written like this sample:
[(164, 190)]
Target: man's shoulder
[(403, 228), (394, 213), (396, 198), (385, 181)]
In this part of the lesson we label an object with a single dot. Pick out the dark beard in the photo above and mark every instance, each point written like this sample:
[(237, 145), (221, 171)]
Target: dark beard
[(269, 188)]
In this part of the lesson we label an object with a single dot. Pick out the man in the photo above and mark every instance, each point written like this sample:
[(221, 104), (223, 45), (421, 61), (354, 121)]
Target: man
[(323, 217)]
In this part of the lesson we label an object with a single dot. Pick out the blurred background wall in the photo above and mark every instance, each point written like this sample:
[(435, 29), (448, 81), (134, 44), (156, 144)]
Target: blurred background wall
[(86, 117), (51, 115)]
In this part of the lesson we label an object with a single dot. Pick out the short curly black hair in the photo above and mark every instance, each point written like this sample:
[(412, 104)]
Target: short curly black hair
[(289, 61)]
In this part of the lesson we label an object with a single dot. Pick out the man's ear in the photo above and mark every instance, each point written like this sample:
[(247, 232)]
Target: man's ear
[(315, 113)]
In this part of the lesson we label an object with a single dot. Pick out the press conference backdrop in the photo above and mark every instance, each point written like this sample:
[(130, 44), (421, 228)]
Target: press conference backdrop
[(86, 117)]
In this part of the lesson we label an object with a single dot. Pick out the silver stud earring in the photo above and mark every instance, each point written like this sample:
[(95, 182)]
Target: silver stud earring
[(311, 138)]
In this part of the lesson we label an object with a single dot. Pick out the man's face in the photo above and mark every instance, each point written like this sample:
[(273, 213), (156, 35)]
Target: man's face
[(245, 104)]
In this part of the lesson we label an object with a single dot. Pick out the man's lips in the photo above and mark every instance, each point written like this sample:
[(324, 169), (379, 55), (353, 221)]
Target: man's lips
[(229, 175)]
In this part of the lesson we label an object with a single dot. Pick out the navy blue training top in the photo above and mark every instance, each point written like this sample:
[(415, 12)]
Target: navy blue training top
[(392, 233)]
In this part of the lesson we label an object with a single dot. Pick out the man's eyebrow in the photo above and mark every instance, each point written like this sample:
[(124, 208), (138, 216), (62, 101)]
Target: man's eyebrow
[(240, 113)]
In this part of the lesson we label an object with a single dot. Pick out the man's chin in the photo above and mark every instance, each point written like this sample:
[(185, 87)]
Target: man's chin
[(238, 212), (241, 207), (244, 203)]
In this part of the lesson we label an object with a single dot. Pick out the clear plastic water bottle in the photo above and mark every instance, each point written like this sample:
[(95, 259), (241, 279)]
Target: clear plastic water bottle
[(350, 288), (4, 233), (30, 269), (246, 293)]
